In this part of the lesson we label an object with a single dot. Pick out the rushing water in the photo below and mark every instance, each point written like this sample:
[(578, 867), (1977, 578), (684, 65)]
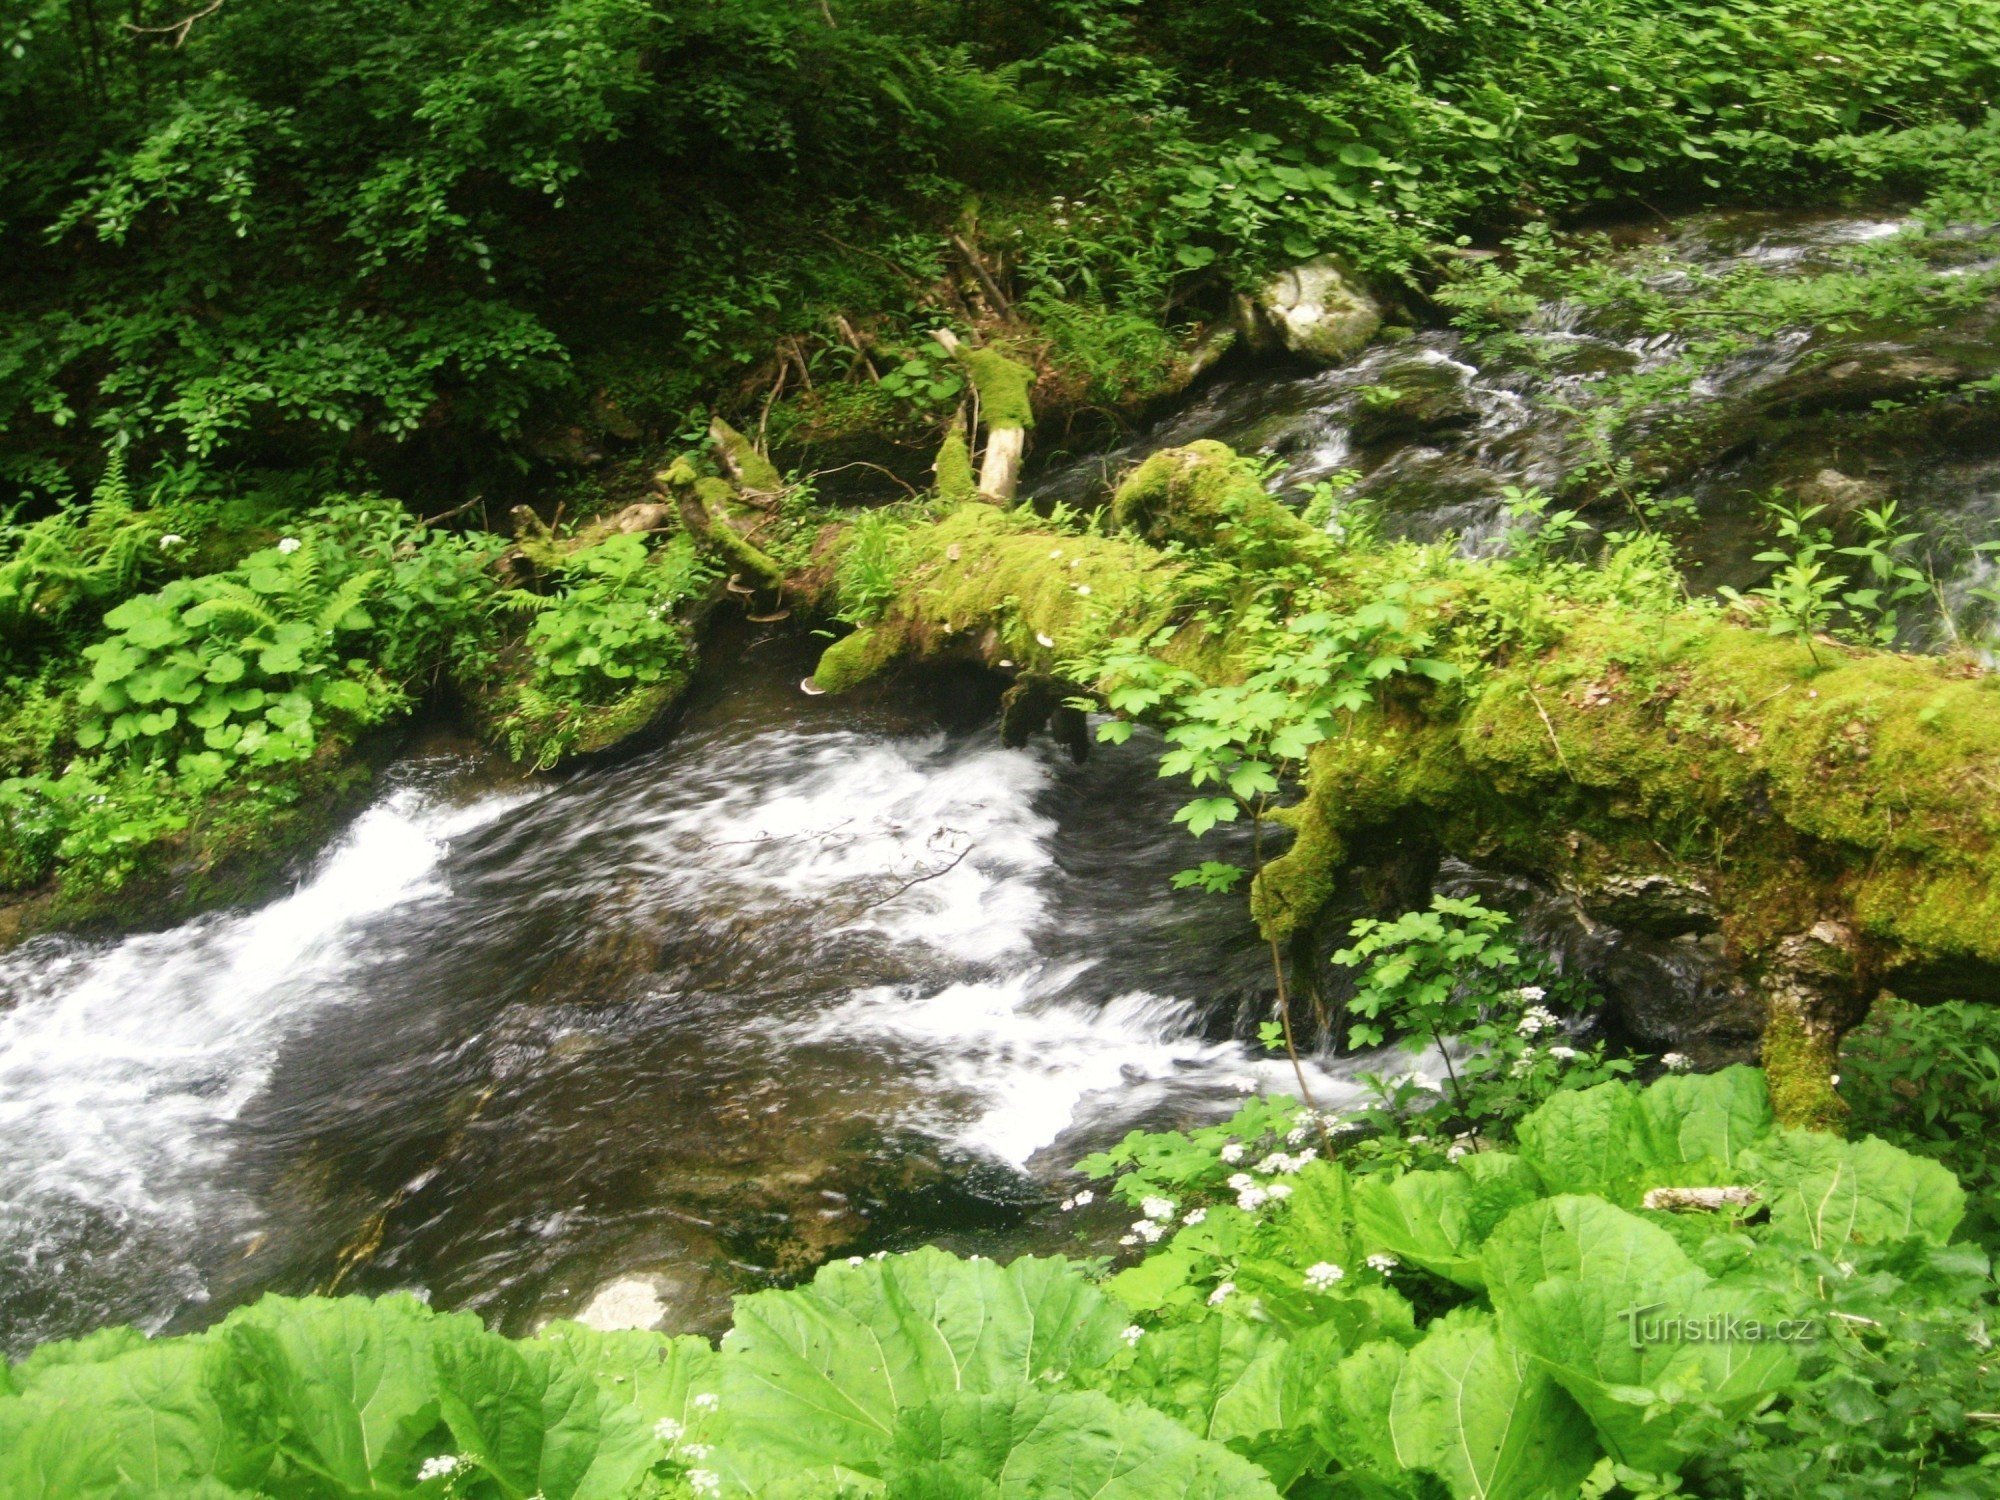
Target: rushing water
[(813, 977), (818, 976)]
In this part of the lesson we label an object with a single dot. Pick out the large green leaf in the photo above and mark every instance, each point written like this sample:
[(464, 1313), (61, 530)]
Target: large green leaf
[(1439, 1220), (1702, 1118), (1354, 1427), (144, 1421), (815, 1377), (347, 1383), (1045, 1445), (1827, 1192), (533, 1417), (1580, 1141), (1482, 1417), (1578, 1282)]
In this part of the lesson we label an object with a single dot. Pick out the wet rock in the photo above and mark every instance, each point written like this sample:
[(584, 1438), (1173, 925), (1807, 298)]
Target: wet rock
[(630, 1302), (1855, 377), (1319, 310), (1657, 905), (1842, 494), (678, 1298), (1411, 399)]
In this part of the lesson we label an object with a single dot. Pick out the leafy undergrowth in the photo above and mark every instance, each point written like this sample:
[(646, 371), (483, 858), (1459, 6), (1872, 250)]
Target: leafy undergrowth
[(1309, 1321), (180, 677)]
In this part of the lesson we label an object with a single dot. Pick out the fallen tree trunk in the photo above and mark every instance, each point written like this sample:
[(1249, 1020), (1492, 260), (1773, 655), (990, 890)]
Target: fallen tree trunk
[(1841, 821)]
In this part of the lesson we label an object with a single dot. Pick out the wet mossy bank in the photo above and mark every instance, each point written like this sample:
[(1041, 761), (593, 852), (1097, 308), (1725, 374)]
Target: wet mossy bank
[(1832, 809)]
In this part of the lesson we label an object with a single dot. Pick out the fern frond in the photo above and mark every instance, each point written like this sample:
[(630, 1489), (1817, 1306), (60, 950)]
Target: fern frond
[(344, 601), (233, 601)]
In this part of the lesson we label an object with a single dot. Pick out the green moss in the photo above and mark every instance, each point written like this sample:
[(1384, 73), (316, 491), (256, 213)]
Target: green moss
[(1204, 496), (1798, 1067), (752, 469), (1003, 385), (853, 659), (956, 483)]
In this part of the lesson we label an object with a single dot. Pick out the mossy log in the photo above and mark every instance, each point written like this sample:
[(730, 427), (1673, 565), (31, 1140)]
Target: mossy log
[(1839, 818)]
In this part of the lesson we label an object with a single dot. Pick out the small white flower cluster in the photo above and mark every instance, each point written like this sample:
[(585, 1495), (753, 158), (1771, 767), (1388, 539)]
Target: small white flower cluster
[(704, 1481), (1524, 1064), (707, 1402), (1677, 1062), (1221, 1293), (1232, 1153), (1157, 1208), (288, 544), (1133, 1333), (1383, 1263), (1194, 1216), (1536, 1019), (437, 1468), (171, 540), (1461, 1145), (1564, 1054), (1415, 1078), (1148, 1230), (1321, 1277), (1082, 1200), (1277, 1162)]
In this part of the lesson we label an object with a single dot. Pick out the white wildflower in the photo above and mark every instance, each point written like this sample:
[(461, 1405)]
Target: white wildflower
[(704, 1481), (1133, 1333), (1157, 1208), (1455, 1150), (1251, 1199), (171, 540), (1085, 1198), (1128, 1239), (437, 1468), (696, 1450), (1296, 1135), (1221, 1293), (1194, 1216), (855, 1260), (1677, 1062), (288, 544), (1323, 1275), (1383, 1263), (1068, 1204), (1532, 992), (667, 1430), (1279, 1190), (1148, 1231), (1083, 589), (1535, 1020), (706, 1401), (1232, 1153), (1241, 1180), (1418, 1140)]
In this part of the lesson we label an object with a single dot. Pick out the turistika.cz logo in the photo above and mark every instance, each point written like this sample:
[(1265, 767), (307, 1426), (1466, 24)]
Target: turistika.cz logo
[(1653, 1324)]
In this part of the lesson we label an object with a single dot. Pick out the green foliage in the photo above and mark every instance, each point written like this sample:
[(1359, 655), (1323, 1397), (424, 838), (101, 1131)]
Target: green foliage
[(1927, 1078), (1477, 1331)]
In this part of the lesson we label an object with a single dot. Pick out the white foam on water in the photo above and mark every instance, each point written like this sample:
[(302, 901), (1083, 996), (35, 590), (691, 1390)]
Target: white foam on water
[(121, 1062), (914, 839), (1016, 1066)]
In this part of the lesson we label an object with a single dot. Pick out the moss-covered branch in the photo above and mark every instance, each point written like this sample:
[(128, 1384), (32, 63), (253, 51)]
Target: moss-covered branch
[(1841, 821)]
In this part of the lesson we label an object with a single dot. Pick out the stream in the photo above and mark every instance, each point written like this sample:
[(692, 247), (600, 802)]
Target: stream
[(814, 977)]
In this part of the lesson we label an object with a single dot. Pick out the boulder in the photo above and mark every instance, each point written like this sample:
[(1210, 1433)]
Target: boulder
[(1319, 310)]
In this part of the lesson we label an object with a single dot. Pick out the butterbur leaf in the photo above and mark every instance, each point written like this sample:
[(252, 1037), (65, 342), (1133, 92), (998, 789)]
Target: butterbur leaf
[(1480, 1415), (533, 1417), (1619, 1316), (1701, 1118), (1041, 1445), (1828, 1192), (1439, 1220), (1233, 1382), (348, 1384), (815, 1377), (1580, 1141), (1354, 1426), (144, 1421)]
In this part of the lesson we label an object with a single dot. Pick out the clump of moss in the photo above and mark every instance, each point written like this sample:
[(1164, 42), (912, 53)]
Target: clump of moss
[(1798, 1066), (1003, 385), (956, 482)]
